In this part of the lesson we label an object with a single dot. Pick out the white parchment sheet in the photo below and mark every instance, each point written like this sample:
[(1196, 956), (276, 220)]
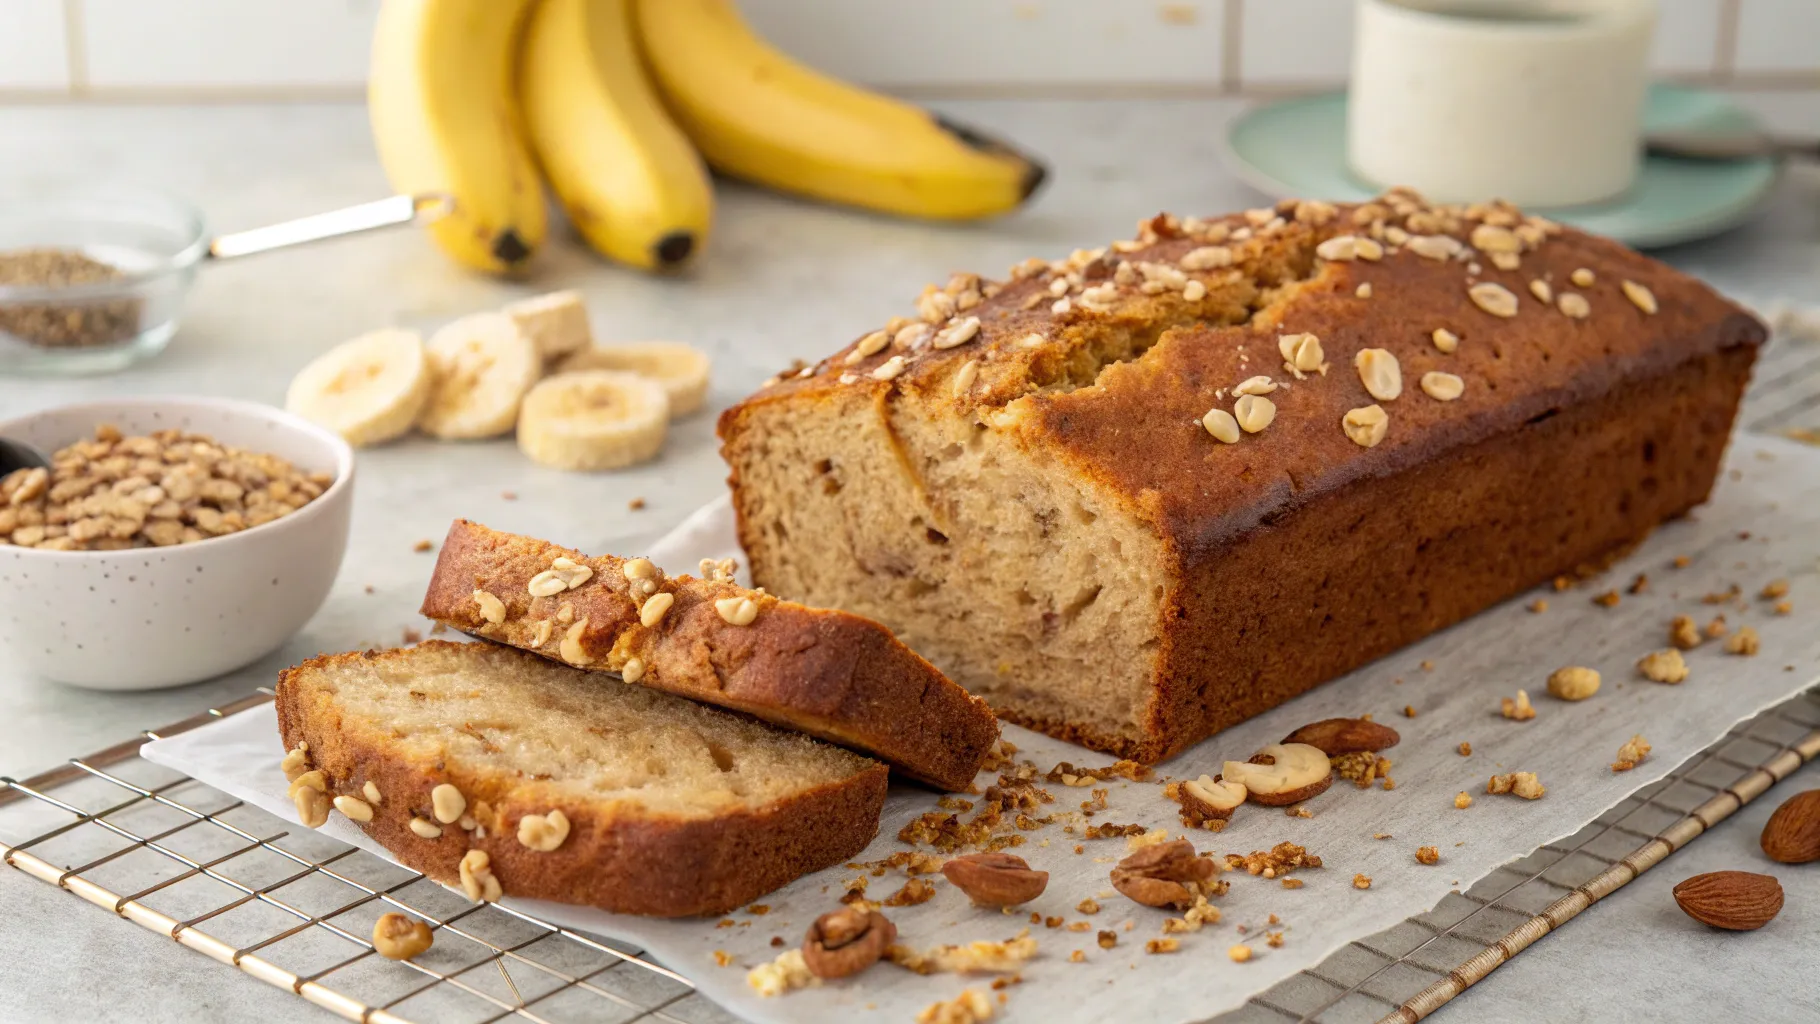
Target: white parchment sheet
[(1763, 523)]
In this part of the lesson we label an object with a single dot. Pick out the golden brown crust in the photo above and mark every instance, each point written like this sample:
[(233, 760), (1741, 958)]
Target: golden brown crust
[(1574, 434), (830, 674), (625, 861)]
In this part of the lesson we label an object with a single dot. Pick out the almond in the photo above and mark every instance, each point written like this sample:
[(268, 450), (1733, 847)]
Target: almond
[(1792, 834), (1737, 901), (1336, 736)]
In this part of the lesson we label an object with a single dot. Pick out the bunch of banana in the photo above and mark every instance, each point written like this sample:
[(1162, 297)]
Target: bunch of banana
[(598, 407), (471, 98)]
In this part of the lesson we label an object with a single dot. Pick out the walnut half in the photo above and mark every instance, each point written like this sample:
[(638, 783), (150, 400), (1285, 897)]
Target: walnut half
[(846, 942), (1163, 874)]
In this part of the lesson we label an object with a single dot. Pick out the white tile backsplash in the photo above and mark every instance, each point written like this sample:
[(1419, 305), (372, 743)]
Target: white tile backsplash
[(227, 44), (34, 53), (998, 42), (261, 47), (1296, 42), (1779, 36)]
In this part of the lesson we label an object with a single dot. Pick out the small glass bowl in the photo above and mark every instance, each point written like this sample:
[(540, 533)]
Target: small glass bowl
[(155, 241)]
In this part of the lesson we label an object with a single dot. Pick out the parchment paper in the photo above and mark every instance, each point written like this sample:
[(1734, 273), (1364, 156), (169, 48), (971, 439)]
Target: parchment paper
[(1763, 523)]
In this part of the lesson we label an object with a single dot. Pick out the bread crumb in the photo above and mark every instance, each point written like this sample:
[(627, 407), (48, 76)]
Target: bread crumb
[(1783, 607), (1088, 906), (1519, 709), (1609, 599), (1292, 883), (636, 504), (1239, 953), (777, 940), (781, 975), (722, 958), (421, 546), (970, 1007), (508, 495), (1462, 800), (1631, 753), (982, 956), (1427, 666), (1716, 628), (1465, 749), (1298, 811), (1773, 590), (411, 636), (915, 891), (1665, 666), (1409, 711), (1638, 585), (1523, 784), (1079, 956), (1151, 838), (1382, 835), (1162, 945), (1361, 881), (1280, 859), (1745, 641), (1427, 855), (1273, 939), (1053, 921), (1538, 606), (1683, 633), (1682, 561), (1107, 939)]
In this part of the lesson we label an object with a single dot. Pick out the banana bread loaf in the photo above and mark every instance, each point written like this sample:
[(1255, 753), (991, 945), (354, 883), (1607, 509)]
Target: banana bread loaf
[(1137, 495)]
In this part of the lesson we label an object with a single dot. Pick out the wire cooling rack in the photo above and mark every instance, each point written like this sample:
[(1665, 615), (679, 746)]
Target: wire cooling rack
[(295, 909)]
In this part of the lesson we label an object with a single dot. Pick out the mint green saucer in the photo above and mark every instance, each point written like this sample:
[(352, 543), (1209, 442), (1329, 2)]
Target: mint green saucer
[(1297, 147)]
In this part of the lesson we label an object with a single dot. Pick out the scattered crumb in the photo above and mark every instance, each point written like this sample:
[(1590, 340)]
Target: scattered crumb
[(1362, 767), (1773, 590), (1716, 628), (722, 958), (1783, 607), (1683, 633), (1518, 710), (369, 588), (1631, 753), (1720, 597), (1638, 585), (1087, 906), (1465, 749), (423, 545), (1409, 711), (1162, 945), (508, 495), (1273, 939), (1609, 599), (1523, 784), (1080, 926), (781, 975), (1107, 939), (636, 504), (1665, 666), (1361, 881), (1280, 859), (1151, 838), (777, 940), (1298, 811), (1562, 583), (1292, 883), (1239, 953), (411, 636), (1053, 921), (1427, 666), (970, 1007), (1185, 14), (439, 628), (1079, 956), (1462, 800), (1538, 606), (1745, 641), (915, 891), (1381, 835), (1682, 561), (1427, 855)]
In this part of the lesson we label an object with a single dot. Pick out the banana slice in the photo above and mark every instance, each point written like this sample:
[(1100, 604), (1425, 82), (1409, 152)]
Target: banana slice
[(595, 419), (369, 389), (482, 366), (556, 323), (682, 370)]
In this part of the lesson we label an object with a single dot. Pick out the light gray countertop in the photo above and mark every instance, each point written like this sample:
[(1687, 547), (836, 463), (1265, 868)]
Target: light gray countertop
[(781, 279)]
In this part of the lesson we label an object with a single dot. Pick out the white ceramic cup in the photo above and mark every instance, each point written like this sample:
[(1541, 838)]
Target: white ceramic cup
[(145, 618), (1536, 101)]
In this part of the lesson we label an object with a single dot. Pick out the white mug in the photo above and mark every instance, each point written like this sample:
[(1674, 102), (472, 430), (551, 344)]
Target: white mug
[(1536, 101)]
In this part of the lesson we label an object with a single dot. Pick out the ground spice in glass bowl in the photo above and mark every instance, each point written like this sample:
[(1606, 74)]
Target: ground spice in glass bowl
[(63, 324)]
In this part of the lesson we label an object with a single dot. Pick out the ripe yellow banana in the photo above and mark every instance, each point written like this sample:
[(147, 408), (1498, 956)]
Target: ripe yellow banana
[(759, 115), (441, 101), (630, 181)]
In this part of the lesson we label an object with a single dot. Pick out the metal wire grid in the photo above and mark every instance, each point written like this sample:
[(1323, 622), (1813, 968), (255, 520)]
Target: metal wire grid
[(296, 910)]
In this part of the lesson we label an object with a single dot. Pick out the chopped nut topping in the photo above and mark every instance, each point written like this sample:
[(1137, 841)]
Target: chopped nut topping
[(354, 808), (1462, 800), (655, 608), (1666, 666), (1380, 372), (425, 829), (1540, 289), (1443, 387), (1492, 239), (1523, 784), (1434, 247), (871, 344), (571, 649), (1363, 291), (1631, 753), (1506, 260), (1641, 297), (1573, 683), (1520, 709), (492, 609), (1222, 425), (964, 378), (477, 880), (1254, 412), (447, 803), (397, 937), (1574, 305), (737, 611), (1445, 340), (1207, 257), (1339, 248), (1361, 881), (1366, 425), (1427, 855), (1493, 298), (1259, 385), (958, 333), (1683, 633), (1301, 351), (1745, 641), (1582, 277), (889, 369), (543, 832)]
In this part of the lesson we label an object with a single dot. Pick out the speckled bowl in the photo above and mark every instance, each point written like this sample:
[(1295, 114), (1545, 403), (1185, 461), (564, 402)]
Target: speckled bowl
[(145, 618)]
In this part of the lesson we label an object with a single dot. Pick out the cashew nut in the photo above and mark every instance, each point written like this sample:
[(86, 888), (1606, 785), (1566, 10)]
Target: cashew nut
[(1297, 772)]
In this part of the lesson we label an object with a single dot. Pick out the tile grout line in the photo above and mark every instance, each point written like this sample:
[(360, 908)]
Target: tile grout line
[(75, 48)]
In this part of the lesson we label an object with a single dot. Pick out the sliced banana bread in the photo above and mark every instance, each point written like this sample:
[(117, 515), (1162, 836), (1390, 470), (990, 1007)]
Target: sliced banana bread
[(1136, 495), (498, 771), (830, 674)]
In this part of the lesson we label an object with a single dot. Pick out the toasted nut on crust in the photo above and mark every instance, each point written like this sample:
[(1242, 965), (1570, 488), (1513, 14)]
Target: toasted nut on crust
[(995, 879), (1282, 774), (1336, 736), (447, 803), (543, 832), (312, 806), (477, 879), (1163, 874), (397, 937), (846, 942), (1205, 799)]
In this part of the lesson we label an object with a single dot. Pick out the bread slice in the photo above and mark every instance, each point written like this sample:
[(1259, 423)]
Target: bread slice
[(830, 674), (672, 808)]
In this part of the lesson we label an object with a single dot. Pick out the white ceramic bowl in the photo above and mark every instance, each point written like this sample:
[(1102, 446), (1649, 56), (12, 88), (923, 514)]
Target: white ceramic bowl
[(145, 618)]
